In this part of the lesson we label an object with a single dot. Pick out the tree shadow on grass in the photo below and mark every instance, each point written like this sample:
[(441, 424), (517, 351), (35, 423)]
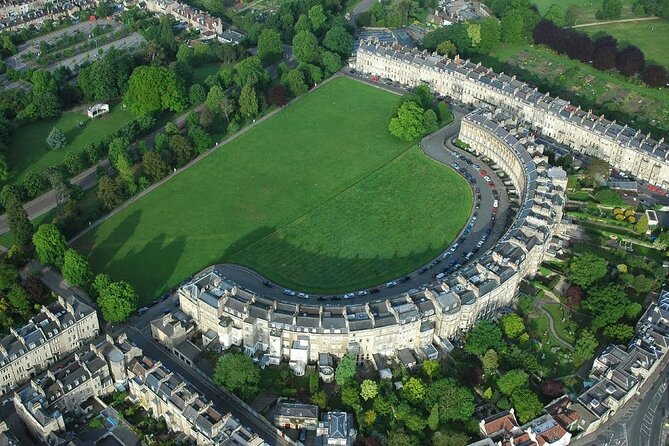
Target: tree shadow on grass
[(313, 270), (150, 268), (102, 252)]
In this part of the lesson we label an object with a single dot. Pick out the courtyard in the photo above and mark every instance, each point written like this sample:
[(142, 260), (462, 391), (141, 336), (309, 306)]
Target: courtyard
[(320, 197)]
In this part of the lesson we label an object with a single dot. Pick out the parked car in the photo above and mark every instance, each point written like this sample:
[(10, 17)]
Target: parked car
[(405, 279), (288, 292), (495, 203), (374, 290), (363, 292), (142, 310), (349, 296), (267, 283), (303, 295), (487, 178), (483, 173), (391, 284)]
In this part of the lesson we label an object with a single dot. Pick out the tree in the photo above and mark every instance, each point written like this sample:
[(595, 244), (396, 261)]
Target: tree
[(655, 75), (350, 396), (489, 361), (339, 41), (369, 418), (294, 82), (607, 305), (154, 88), (117, 301), (641, 225), (474, 33), (433, 418), (611, 9), (277, 95), (511, 381), (50, 245), (9, 276), (369, 389), (196, 94), (331, 62), (620, 333), (526, 404), (408, 124), (44, 101), (270, 49), (491, 35), (182, 151), (56, 139), (585, 347), (430, 121), (345, 369), (554, 14), (75, 269), (572, 15), (17, 217), (18, 299), (447, 48), (512, 325), (630, 60), (313, 383), (586, 269), (73, 163), (320, 399), (401, 438), (662, 241), (251, 71), (109, 192), (484, 336), (604, 51), (237, 373), (513, 27), (317, 18), (414, 390), (456, 403), (431, 368), (154, 166), (305, 47), (201, 139), (248, 102)]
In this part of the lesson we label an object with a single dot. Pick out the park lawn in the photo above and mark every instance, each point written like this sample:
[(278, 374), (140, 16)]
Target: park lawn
[(608, 89), (324, 160), (558, 312), (652, 37), (203, 71), (27, 149), (588, 8)]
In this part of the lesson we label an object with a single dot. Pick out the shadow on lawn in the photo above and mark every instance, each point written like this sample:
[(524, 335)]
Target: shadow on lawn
[(150, 267), (313, 270), (116, 239)]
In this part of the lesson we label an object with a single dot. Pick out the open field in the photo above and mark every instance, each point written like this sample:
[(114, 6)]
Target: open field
[(652, 37), (319, 197), (588, 8), (612, 92), (28, 151)]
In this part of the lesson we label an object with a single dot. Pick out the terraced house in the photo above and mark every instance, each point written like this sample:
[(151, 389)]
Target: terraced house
[(58, 329), (623, 147), (419, 321)]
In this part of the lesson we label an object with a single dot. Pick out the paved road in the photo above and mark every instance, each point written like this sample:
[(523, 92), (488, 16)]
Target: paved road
[(640, 422), (434, 146)]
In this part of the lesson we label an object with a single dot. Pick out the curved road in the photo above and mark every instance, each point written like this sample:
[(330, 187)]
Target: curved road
[(438, 147)]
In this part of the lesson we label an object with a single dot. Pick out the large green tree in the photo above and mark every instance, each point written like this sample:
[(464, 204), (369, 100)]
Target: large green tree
[(339, 41), (484, 336), (237, 373), (526, 404), (153, 89), (17, 217), (155, 166), (512, 325), (50, 245), (608, 305), (511, 381), (248, 102), (455, 401), (513, 27), (369, 389), (305, 47), (585, 347), (269, 46), (408, 124), (117, 301), (76, 269), (414, 390), (345, 371), (586, 269)]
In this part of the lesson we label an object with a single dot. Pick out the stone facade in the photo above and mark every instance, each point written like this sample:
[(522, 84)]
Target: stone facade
[(195, 18), (59, 329), (414, 321), (167, 395), (623, 147)]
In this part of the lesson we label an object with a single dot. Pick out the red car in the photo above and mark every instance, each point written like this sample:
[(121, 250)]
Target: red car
[(491, 184), (483, 172)]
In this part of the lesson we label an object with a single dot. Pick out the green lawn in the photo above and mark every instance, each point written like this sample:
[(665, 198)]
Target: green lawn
[(558, 312), (610, 91), (320, 197), (27, 149), (203, 71), (652, 37), (588, 8)]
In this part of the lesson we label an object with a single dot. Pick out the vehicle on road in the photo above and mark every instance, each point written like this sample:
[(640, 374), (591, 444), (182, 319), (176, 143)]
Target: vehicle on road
[(267, 283), (142, 310), (483, 173), (374, 290), (391, 284), (477, 167), (405, 279), (349, 296), (495, 203), (363, 293), (288, 292), (303, 295), (487, 178), (455, 165), (491, 185)]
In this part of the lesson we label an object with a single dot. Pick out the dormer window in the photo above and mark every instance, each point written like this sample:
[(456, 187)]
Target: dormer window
[(21, 351)]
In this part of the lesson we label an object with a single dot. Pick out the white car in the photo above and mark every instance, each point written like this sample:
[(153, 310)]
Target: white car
[(363, 293), (480, 243), (487, 178), (349, 296), (303, 295), (391, 284), (495, 203), (288, 292)]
